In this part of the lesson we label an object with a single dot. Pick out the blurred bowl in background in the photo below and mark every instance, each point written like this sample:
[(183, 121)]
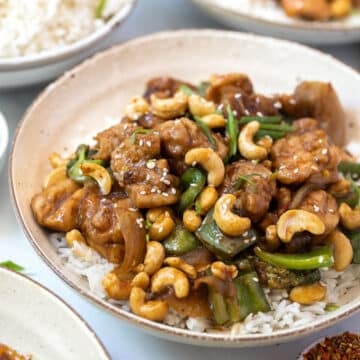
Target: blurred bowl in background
[(4, 139)]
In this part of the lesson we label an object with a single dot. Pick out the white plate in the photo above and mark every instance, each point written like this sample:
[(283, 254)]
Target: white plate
[(35, 321), (70, 112), (4, 139), (266, 17)]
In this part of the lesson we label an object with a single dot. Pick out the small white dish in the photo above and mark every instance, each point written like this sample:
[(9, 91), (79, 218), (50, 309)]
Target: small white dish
[(4, 140), (38, 68), (266, 17), (36, 322)]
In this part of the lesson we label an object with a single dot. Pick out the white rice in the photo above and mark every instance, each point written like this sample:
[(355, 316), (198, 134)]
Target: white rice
[(342, 287), (33, 26)]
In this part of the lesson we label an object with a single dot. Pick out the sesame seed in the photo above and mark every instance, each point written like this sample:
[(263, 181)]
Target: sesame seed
[(292, 101), (235, 113), (246, 241), (148, 143), (316, 208), (331, 211), (158, 191), (257, 100), (142, 192), (296, 171), (256, 279), (246, 233), (278, 105), (133, 209), (193, 163), (165, 194), (237, 95), (126, 126), (141, 142), (153, 190), (148, 177), (173, 190), (161, 228), (166, 182), (253, 238), (259, 114), (246, 112), (139, 222), (324, 151), (220, 107)]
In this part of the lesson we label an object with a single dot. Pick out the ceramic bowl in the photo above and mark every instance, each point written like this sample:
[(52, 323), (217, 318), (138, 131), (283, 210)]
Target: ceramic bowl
[(4, 139), (35, 321), (266, 17), (69, 112), (38, 68)]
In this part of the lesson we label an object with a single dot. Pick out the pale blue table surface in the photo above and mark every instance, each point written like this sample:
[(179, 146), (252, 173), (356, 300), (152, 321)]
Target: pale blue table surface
[(121, 340)]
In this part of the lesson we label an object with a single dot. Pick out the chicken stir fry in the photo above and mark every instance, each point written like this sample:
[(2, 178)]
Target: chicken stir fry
[(6, 353), (203, 196), (320, 10)]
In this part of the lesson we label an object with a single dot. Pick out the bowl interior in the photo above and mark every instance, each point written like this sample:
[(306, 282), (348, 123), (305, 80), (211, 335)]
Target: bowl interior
[(92, 96), (35, 321)]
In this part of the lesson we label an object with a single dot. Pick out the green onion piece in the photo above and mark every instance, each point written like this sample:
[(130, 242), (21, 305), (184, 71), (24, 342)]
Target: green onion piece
[(232, 131), (206, 130), (203, 87), (354, 237), (277, 127), (138, 131), (185, 89), (275, 135), (331, 307), (261, 119), (243, 179), (100, 9), (12, 266), (348, 167)]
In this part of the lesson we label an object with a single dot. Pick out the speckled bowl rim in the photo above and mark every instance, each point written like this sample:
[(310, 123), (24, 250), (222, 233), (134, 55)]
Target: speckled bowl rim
[(64, 52), (299, 24), (159, 329), (57, 298)]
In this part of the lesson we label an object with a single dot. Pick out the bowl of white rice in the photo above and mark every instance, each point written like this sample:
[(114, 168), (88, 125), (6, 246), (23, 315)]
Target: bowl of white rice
[(40, 39)]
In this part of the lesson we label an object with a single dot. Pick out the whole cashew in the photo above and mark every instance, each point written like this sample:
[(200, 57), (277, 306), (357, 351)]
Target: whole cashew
[(198, 106), (169, 276), (349, 218), (191, 220), (228, 222), (214, 121), (154, 257), (223, 271), (116, 288), (171, 107), (248, 149), (343, 250), (308, 294), (271, 237), (155, 310), (340, 8), (141, 280), (55, 176), (180, 264), (207, 199), (162, 223), (293, 221), (136, 107), (99, 174), (210, 161)]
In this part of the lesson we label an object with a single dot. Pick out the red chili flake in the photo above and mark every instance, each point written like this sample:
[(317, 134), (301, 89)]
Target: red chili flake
[(341, 347)]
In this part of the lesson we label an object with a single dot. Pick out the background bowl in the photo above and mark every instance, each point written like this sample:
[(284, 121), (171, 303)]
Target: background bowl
[(38, 68), (266, 17), (37, 322), (4, 139), (69, 112)]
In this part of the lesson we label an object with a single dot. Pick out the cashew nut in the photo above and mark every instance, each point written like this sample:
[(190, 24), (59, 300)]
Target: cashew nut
[(180, 264), (198, 106), (56, 160), (214, 121), (293, 221), (74, 235), (116, 288), (228, 222), (340, 8), (136, 107), (169, 276), (343, 250), (210, 161), (206, 199), (223, 271), (248, 149), (141, 280), (265, 142), (308, 294), (155, 255), (271, 237), (171, 107), (349, 218), (99, 174), (55, 176), (191, 220), (162, 223), (155, 310)]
